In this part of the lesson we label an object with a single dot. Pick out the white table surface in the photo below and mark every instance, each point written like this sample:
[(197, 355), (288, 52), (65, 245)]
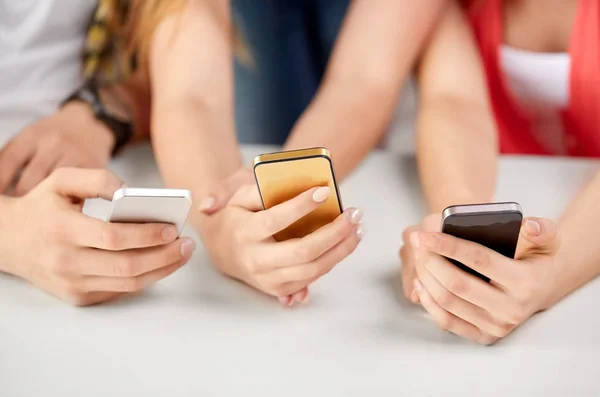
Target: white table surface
[(200, 334)]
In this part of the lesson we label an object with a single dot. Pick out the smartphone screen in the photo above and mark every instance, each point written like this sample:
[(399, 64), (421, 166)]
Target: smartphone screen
[(284, 179), (496, 230)]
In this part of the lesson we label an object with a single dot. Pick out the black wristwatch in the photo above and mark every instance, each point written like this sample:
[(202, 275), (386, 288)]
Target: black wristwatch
[(121, 129)]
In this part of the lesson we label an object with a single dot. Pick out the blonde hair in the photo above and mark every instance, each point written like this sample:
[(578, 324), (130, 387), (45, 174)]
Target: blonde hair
[(143, 18)]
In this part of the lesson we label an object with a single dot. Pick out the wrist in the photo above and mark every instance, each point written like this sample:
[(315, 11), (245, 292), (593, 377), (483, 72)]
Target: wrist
[(81, 114)]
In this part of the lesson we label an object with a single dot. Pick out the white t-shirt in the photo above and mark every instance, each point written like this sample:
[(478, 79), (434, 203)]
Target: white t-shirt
[(41, 43), (540, 83)]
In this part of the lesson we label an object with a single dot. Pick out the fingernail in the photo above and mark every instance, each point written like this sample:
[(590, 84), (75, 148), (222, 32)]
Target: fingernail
[(361, 231), (188, 247), (283, 300), (305, 298), (533, 227), (299, 297), (169, 233), (321, 194), (418, 287), (415, 240), (207, 203), (355, 215)]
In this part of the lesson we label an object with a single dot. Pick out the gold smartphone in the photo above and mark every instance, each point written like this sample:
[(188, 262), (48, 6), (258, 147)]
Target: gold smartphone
[(282, 176)]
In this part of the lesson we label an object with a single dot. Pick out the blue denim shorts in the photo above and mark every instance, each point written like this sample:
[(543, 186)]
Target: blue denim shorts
[(291, 41)]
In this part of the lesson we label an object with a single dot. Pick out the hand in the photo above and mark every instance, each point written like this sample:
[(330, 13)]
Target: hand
[(430, 223), (239, 239), (70, 138), (217, 200), (476, 310), (79, 259)]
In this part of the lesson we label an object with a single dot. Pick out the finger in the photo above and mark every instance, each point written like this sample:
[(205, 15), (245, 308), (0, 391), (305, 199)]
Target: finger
[(301, 296), (408, 273), (247, 197), (35, 171), (407, 233), (318, 267), (447, 321), (460, 308), (13, 157), (133, 263), (538, 235), (131, 284), (309, 248), (217, 200), (83, 231), (269, 222), (84, 183), (475, 256), (92, 298), (472, 289), (432, 222)]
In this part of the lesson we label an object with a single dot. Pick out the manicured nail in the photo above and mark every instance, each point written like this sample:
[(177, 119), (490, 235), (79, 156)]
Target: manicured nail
[(533, 227), (355, 215), (415, 240), (361, 231), (418, 286), (169, 233), (321, 194), (207, 204), (188, 247)]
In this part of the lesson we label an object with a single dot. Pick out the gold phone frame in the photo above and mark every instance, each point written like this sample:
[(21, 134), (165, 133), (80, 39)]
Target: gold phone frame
[(294, 155)]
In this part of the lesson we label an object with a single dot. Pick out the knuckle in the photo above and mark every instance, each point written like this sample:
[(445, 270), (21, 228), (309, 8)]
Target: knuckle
[(127, 267), (312, 270), (444, 298), (79, 300), (105, 178), (457, 285), (268, 222), (250, 263), (444, 321), (60, 174), (504, 330), (487, 340), (518, 314), (304, 253), (60, 264), (110, 236), (480, 259), (130, 284)]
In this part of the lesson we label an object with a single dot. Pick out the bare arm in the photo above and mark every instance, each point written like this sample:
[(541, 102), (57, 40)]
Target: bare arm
[(457, 141), (192, 89), (377, 46), (578, 258)]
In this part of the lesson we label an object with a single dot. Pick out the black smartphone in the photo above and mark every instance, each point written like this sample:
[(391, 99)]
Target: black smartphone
[(496, 226)]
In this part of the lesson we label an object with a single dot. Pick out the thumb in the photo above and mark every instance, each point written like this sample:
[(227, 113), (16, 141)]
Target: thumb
[(82, 183), (538, 235), (218, 199)]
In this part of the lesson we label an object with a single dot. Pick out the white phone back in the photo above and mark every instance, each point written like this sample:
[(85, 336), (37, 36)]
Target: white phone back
[(133, 205)]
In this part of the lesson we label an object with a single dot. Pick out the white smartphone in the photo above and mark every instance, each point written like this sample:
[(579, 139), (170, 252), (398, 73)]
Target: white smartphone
[(139, 205)]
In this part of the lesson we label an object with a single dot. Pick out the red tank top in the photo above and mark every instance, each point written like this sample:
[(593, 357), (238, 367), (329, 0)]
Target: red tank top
[(581, 119)]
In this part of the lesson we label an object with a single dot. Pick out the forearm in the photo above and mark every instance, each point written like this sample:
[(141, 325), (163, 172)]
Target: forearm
[(5, 215), (457, 153), (196, 149), (579, 253), (348, 120)]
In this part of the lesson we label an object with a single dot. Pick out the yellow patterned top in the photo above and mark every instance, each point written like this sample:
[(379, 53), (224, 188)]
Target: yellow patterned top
[(104, 55)]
